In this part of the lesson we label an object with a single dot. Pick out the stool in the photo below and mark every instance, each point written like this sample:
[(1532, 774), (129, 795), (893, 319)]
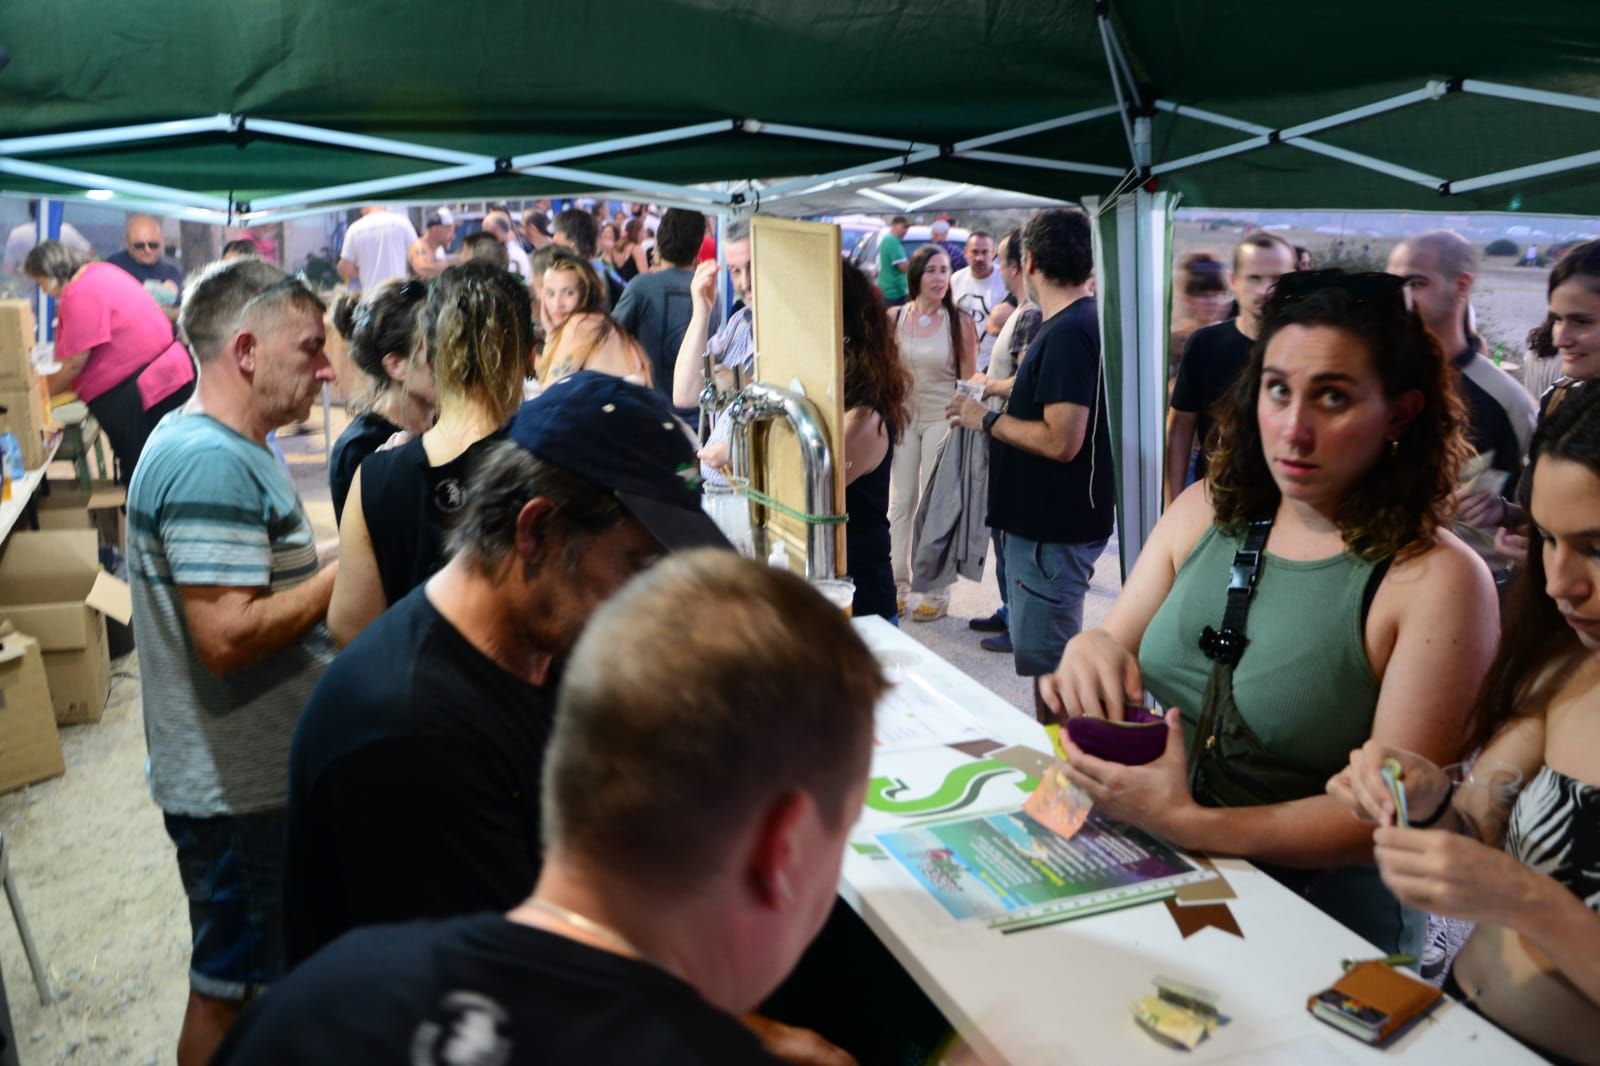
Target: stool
[(76, 436), (41, 976)]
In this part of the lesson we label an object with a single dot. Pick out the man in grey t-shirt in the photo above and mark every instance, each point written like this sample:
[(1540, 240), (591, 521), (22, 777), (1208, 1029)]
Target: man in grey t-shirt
[(228, 603)]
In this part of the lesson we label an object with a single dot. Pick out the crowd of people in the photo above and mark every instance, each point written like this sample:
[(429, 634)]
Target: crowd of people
[(441, 750)]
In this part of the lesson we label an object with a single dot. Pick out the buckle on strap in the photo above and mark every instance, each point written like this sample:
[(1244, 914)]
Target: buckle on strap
[(1242, 574)]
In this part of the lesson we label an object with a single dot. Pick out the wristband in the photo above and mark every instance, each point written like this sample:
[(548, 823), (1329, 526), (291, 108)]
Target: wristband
[(1444, 805), (989, 420)]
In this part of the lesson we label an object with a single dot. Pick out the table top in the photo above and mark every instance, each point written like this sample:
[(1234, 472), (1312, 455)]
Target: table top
[(22, 491), (1061, 993)]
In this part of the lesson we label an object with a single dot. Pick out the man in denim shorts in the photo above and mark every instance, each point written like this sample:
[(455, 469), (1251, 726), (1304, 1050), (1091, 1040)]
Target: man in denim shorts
[(1051, 484), (228, 602)]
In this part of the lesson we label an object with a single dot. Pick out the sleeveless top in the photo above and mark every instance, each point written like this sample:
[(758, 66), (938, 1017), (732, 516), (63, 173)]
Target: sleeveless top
[(1304, 685), (866, 540), (409, 505), (1555, 829), (365, 434), (929, 359)]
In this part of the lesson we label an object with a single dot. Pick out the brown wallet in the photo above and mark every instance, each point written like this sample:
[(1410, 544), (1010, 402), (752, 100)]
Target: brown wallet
[(1373, 1001)]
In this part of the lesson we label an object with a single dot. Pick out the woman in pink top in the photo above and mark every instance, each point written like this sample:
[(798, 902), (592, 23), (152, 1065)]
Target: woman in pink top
[(115, 346)]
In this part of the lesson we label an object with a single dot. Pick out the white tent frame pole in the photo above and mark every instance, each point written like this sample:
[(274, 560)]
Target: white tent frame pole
[(884, 198), (779, 129), (621, 183), (1531, 96), (84, 179), (1040, 163), (1116, 85), (161, 207), (296, 131), (961, 147), (1262, 136), (893, 163), (51, 142), (376, 186), (621, 144), (759, 192), (1533, 170), (942, 194)]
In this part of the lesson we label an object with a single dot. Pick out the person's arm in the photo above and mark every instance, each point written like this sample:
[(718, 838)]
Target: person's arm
[(866, 442), (71, 367), (902, 265), (641, 261), (358, 596), (1443, 615), (967, 356), (234, 627), (688, 371), (1059, 436), (1181, 426)]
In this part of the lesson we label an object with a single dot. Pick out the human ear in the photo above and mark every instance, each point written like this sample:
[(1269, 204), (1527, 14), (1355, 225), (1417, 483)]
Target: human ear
[(1403, 410), (777, 850)]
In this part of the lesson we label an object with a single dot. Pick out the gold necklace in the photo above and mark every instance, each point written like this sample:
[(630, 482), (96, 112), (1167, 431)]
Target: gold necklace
[(593, 928)]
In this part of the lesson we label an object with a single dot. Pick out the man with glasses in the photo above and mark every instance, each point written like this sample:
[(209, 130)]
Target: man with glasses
[(142, 257), (228, 602)]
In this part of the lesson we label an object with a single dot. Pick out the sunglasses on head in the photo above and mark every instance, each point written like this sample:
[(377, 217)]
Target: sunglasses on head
[(1368, 286)]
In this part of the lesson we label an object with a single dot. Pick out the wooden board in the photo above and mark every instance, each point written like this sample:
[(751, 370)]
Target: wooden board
[(799, 335)]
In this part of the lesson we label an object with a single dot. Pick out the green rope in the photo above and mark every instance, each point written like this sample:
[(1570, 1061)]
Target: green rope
[(757, 496)]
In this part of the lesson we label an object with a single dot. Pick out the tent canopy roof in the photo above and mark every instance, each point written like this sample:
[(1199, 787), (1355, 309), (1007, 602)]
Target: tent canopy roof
[(916, 81)]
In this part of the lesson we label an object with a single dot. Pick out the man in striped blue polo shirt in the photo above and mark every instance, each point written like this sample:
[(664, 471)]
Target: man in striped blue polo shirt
[(228, 604)]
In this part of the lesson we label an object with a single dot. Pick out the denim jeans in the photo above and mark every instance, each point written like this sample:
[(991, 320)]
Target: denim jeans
[(1047, 585)]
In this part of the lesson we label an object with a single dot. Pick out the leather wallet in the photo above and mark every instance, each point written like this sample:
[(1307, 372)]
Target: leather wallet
[(1373, 1001), (1139, 738)]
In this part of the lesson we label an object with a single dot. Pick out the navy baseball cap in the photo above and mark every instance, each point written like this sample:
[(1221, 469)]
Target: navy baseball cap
[(625, 439)]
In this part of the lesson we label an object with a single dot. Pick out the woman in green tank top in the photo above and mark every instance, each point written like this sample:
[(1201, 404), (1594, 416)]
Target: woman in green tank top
[(1368, 618)]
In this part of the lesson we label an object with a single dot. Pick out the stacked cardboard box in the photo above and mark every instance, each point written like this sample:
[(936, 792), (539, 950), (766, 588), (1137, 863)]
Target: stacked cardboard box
[(52, 588), (22, 393), (30, 747)]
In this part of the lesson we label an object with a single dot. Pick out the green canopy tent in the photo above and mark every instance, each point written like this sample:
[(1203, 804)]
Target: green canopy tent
[(249, 112)]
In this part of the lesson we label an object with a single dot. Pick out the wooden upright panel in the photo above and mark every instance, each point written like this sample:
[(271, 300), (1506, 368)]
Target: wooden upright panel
[(799, 336)]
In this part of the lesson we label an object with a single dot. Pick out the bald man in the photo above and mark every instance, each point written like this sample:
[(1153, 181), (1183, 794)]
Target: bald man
[(142, 256)]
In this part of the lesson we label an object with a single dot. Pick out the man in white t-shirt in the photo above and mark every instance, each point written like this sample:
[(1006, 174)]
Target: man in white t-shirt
[(978, 289), (375, 248), (20, 241)]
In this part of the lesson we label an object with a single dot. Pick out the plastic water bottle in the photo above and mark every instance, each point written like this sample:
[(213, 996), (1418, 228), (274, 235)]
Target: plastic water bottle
[(11, 450)]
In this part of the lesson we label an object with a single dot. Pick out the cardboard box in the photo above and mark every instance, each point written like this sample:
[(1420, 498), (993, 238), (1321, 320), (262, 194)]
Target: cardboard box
[(30, 747), (28, 416), (16, 344), (52, 588), (64, 505)]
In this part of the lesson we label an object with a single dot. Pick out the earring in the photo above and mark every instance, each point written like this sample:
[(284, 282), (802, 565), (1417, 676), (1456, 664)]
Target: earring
[(1394, 448)]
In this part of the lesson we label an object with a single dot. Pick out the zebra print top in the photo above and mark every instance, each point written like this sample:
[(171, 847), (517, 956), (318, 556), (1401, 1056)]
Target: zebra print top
[(1555, 829)]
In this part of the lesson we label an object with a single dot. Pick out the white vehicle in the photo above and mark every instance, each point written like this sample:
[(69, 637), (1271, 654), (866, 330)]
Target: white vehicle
[(865, 255)]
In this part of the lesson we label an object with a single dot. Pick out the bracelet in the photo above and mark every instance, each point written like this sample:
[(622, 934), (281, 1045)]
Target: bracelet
[(1444, 805)]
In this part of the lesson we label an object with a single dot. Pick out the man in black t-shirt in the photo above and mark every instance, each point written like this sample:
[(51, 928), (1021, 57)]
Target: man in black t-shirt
[(1216, 355), (1051, 481), (709, 757), (414, 772), (142, 257)]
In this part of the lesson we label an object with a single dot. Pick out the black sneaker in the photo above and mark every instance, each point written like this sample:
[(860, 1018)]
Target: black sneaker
[(993, 624), (1000, 642)]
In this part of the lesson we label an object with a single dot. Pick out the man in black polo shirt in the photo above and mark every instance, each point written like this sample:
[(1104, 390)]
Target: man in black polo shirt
[(1051, 484), (414, 772), (709, 757), (1216, 355), (1439, 268)]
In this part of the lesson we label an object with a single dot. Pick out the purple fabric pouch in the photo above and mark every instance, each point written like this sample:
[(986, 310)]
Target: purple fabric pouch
[(1139, 738)]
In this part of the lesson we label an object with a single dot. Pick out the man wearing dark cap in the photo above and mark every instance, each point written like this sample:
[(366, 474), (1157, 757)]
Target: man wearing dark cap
[(429, 254), (414, 773)]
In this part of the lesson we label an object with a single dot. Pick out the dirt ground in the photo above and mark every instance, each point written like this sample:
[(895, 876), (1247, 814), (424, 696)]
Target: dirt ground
[(96, 872)]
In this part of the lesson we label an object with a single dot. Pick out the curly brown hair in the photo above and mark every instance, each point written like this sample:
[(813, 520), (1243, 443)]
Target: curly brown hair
[(1397, 506), (874, 374)]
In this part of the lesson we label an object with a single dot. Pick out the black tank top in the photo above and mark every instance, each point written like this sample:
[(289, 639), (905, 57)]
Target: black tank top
[(409, 506), (866, 540)]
